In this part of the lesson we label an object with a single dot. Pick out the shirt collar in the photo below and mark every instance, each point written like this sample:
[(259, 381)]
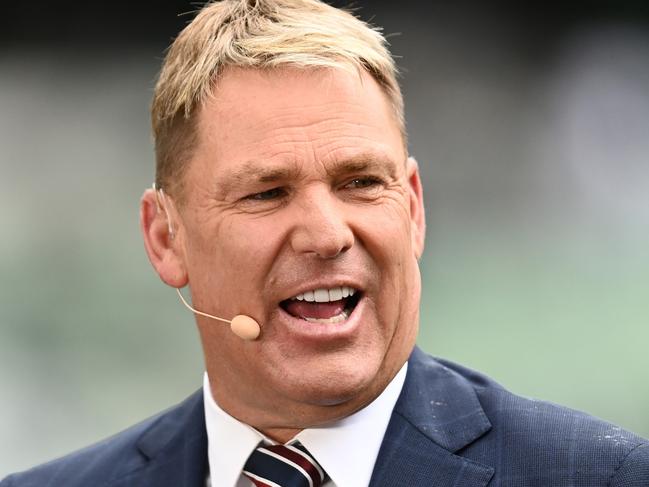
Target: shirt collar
[(229, 441), (346, 449)]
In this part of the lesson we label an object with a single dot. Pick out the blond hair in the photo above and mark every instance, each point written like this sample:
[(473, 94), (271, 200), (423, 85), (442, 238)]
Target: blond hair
[(259, 34)]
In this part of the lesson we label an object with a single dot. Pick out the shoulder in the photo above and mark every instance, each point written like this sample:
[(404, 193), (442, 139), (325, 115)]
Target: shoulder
[(109, 459), (92, 465), (539, 437)]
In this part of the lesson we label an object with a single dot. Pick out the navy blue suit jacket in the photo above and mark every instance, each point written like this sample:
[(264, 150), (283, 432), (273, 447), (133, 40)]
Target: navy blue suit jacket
[(450, 427)]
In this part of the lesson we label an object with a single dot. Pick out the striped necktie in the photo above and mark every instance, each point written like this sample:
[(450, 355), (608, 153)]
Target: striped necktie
[(283, 466)]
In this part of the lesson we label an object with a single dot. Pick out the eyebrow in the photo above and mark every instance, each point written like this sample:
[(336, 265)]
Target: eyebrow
[(253, 171), (260, 172), (364, 162)]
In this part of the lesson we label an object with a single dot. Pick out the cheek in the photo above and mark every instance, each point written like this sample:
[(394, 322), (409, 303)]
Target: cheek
[(231, 259), (385, 233)]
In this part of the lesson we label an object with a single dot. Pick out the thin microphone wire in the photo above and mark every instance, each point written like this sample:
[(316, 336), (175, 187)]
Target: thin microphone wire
[(162, 205), (200, 312)]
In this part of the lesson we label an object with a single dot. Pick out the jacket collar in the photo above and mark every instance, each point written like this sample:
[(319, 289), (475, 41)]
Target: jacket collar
[(176, 447), (437, 414)]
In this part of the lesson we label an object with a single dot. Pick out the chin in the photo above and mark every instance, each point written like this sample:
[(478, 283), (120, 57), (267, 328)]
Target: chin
[(335, 384)]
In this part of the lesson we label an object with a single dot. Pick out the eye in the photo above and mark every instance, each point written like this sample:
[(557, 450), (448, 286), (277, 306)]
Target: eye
[(267, 195), (363, 182)]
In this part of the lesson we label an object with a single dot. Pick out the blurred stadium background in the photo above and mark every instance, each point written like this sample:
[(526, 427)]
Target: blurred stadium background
[(531, 125)]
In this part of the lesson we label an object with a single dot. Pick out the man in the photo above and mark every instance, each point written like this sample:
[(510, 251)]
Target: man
[(285, 197)]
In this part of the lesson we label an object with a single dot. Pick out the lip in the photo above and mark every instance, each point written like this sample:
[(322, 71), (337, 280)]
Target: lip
[(302, 330)]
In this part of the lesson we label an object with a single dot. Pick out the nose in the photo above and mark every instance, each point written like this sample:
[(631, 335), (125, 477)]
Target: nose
[(321, 226)]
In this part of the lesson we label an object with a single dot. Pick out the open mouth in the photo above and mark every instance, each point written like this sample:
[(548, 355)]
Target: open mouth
[(328, 306)]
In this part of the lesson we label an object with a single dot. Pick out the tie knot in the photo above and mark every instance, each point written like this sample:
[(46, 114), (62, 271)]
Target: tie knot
[(283, 466)]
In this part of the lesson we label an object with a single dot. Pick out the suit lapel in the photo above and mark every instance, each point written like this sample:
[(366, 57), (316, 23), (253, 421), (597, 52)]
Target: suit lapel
[(437, 415), (176, 449)]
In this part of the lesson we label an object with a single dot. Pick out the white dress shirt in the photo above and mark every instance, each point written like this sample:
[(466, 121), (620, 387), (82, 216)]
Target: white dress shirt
[(346, 449)]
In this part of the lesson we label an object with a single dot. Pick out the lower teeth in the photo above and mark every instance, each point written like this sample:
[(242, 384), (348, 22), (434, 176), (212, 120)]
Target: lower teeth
[(339, 318)]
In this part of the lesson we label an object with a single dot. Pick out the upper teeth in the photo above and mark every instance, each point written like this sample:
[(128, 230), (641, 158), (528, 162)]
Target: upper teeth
[(326, 295)]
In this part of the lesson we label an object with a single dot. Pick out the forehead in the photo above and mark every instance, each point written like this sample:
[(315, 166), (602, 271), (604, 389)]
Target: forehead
[(297, 116)]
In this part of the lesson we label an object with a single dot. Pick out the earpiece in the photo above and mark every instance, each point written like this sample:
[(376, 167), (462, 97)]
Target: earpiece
[(161, 203)]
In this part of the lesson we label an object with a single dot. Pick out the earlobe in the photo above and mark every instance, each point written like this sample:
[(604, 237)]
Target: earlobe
[(162, 248), (417, 213)]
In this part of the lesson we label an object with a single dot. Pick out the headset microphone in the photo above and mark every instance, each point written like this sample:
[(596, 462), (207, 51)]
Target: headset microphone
[(241, 325)]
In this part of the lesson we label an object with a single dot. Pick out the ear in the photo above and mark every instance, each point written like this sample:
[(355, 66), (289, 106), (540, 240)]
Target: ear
[(162, 247), (417, 214)]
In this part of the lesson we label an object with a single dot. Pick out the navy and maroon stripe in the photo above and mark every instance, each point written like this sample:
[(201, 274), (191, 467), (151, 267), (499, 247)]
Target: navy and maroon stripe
[(283, 466)]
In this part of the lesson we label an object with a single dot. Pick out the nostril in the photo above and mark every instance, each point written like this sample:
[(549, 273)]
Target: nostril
[(324, 244)]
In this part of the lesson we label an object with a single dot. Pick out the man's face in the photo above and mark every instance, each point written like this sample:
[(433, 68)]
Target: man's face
[(298, 192)]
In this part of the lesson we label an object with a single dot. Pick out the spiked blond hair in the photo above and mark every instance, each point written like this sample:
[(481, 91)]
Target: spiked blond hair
[(259, 34)]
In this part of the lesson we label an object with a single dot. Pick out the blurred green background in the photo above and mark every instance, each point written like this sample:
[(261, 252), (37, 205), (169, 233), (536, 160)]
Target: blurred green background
[(533, 140)]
